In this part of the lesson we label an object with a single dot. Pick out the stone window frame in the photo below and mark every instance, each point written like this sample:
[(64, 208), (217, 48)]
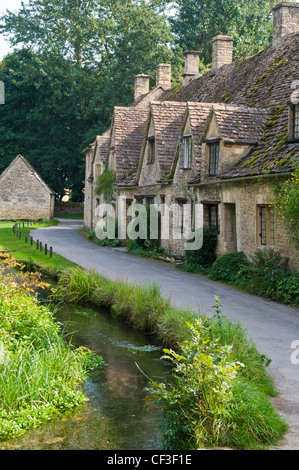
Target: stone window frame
[(266, 230), (214, 151), (293, 122), (186, 151), (151, 150)]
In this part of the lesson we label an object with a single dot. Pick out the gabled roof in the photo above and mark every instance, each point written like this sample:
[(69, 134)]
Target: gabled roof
[(197, 114), (101, 148), (128, 127), (30, 169), (259, 82), (168, 119)]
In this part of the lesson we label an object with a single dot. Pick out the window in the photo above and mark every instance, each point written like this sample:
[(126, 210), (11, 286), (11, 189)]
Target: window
[(266, 226), (151, 150), (213, 217), (214, 158), (186, 149), (150, 200), (296, 122)]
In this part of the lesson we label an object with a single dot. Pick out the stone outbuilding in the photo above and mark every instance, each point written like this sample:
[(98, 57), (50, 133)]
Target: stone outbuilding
[(23, 193)]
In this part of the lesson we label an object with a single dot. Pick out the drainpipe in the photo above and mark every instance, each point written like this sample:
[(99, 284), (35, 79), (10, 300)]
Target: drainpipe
[(194, 199), (90, 180)]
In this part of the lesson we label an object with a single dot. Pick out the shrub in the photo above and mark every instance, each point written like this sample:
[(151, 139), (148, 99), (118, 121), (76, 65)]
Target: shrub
[(206, 255), (266, 275), (210, 402), (227, 267)]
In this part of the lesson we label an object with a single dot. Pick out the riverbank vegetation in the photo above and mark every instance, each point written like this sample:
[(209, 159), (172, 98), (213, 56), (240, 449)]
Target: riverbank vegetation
[(40, 371), (222, 390)]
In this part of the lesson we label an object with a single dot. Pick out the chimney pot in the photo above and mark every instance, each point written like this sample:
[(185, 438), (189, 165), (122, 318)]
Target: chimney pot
[(141, 85), (163, 77), (191, 65), (285, 21), (222, 51)]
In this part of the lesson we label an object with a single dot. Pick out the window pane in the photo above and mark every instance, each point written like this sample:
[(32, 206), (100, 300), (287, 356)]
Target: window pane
[(263, 225), (213, 218), (272, 228), (214, 156)]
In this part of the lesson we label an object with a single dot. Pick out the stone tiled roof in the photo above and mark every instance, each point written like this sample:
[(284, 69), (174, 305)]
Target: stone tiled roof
[(273, 154), (198, 114), (129, 128), (168, 120), (261, 81), (101, 148), (240, 124)]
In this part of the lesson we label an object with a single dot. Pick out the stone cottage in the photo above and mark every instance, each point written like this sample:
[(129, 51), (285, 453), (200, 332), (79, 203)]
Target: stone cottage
[(23, 193), (223, 139)]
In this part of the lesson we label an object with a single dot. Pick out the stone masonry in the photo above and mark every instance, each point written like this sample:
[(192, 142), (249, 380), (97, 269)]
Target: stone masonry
[(23, 193)]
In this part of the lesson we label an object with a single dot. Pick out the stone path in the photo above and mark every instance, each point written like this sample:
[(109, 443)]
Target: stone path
[(272, 326)]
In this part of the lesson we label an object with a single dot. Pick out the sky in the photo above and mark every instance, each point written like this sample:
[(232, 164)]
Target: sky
[(7, 5)]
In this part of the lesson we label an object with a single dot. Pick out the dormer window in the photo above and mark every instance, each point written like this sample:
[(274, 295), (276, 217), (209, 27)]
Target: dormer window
[(186, 149), (296, 122), (293, 122), (151, 150), (213, 146)]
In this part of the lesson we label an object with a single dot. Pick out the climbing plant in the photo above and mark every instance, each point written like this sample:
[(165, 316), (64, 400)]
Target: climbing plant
[(105, 184)]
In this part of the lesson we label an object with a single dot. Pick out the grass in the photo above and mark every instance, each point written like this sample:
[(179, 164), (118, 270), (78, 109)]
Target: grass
[(251, 420), (29, 254), (40, 373)]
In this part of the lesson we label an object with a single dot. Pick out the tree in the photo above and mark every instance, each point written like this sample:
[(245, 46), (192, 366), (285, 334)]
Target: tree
[(47, 117), (197, 22), (77, 60)]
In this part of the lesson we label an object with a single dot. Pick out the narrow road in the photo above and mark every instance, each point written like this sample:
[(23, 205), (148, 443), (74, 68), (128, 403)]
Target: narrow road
[(273, 327)]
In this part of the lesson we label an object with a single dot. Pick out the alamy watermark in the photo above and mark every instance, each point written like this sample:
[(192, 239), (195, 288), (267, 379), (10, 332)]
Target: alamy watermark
[(295, 354), (157, 221), (295, 94), (2, 93)]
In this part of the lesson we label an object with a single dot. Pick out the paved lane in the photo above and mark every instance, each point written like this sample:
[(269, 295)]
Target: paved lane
[(272, 326)]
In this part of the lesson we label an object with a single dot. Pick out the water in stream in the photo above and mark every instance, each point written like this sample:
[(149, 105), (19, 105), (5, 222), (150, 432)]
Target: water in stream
[(114, 416)]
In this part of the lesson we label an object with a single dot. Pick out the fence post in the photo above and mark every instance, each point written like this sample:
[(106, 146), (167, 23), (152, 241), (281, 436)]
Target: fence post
[(51, 252), (37, 244)]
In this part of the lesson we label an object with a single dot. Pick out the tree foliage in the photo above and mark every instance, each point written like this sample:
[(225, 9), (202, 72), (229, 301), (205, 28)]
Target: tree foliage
[(77, 60), (197, 22)]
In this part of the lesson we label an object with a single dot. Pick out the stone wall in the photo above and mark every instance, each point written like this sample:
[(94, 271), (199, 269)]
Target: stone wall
[(238, 216), (23, 195)]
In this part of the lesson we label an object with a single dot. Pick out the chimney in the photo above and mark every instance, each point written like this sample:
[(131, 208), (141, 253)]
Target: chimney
[(285, 21), (191, 65), (222, 51), (141, 85), (163, 77)]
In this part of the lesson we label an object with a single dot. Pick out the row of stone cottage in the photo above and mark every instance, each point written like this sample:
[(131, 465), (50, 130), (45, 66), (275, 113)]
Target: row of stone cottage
[(223, 139)]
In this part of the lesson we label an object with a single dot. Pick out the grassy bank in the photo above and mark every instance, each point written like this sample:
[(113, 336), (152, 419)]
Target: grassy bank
[(27, 253), (244, 417), (40, 373)]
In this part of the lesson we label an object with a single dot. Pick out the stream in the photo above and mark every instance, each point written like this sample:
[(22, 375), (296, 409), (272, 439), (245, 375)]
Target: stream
[(115, 415)]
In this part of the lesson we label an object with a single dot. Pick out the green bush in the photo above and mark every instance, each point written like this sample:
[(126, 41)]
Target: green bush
[(206, 255), (227, 267), (266, 275)]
